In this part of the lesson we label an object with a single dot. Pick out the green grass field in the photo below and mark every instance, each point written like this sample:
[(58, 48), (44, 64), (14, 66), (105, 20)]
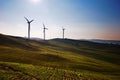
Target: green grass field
[(57, 59)]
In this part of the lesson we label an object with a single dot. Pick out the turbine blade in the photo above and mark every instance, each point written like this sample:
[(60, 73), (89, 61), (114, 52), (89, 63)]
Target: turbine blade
[(46, 28), (43, 25), (26, 19), (31, 21)]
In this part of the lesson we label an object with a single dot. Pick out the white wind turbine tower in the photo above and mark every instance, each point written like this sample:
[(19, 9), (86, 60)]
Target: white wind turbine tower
[(29, 22), (44, 29), (63, 32)]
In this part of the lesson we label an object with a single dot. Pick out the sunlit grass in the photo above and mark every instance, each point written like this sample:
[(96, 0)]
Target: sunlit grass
[(41, 72)]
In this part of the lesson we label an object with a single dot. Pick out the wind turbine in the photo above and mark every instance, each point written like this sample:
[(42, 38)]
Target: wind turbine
[(29, 22), (63, 32), (44, 28)]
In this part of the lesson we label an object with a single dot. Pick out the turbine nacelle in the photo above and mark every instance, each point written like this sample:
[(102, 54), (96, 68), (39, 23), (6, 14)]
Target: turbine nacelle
[(45, 28), (63, 28)]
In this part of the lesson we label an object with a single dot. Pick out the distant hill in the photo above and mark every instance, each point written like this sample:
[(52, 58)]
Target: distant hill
[(57, 59), (117, 42), (84, 43)]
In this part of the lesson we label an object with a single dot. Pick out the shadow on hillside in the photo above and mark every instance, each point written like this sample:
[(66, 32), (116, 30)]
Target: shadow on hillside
[(51, 58)]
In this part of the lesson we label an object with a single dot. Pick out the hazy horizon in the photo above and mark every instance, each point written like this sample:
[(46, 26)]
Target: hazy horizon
[(83, 19)]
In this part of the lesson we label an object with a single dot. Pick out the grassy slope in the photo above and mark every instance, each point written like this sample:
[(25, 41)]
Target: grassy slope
[(57, 59)]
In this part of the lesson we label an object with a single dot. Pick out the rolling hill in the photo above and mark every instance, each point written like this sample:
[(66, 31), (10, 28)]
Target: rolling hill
[(57, 59), (106, 41)]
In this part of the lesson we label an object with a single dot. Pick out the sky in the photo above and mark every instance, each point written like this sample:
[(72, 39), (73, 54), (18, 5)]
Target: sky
[(82, 19)]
